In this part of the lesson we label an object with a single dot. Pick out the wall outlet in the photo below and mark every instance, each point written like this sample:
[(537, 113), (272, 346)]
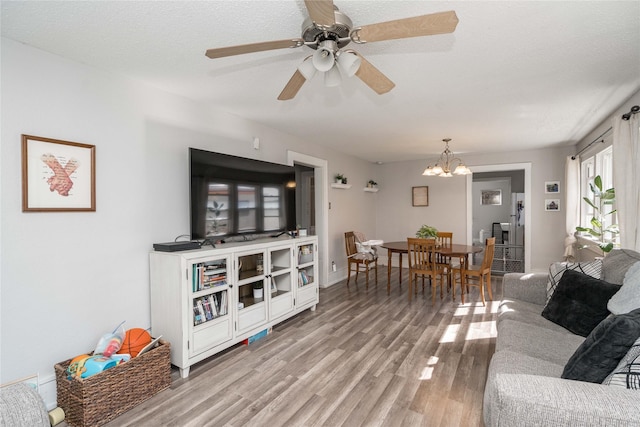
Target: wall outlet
[(333, 266)]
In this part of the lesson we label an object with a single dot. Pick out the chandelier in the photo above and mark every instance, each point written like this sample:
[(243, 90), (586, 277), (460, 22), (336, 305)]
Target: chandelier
[(445, 163)]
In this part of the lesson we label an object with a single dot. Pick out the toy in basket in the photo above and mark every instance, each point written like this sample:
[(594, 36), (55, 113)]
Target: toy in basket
[(98, 399)]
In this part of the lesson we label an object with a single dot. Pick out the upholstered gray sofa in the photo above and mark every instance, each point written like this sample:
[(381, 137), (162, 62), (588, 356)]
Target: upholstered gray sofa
[(524, 385)]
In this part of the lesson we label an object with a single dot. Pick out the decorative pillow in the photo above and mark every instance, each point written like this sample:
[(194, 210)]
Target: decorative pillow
[(628, 297), (557, 269), (603, 349), (616, 263), (579, 302), (627, 373)]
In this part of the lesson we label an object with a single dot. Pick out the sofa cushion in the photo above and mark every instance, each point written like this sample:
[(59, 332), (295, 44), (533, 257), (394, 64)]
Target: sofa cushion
[(627, 373), (616, 264), (603, 349), (525, 312), (628, 297), (557, 269), (579, 302), (535, 341)]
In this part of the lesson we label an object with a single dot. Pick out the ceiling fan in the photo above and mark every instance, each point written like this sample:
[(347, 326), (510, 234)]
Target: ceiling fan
[(328, 31)]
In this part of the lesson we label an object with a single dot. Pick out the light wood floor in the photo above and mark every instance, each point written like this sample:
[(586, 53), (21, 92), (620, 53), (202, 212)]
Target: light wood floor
[(361, 359)]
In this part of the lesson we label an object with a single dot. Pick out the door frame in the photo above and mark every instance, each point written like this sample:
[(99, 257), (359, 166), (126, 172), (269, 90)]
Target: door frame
[(526, 166)]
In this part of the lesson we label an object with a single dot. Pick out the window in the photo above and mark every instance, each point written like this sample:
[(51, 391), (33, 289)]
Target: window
[(601, 164)]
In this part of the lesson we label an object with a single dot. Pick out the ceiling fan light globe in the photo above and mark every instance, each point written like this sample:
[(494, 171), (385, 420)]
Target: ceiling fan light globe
[(323, 59), (437, 170), (307, 69), (332, 78), (349, 63)]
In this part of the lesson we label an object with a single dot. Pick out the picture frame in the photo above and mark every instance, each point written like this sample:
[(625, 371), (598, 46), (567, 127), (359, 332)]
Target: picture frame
[(57, 176), (491, 197), (551, 187), (420, 196), (552, 205)]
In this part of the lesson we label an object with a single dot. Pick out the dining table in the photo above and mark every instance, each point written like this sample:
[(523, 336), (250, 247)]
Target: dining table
[(459, 251)]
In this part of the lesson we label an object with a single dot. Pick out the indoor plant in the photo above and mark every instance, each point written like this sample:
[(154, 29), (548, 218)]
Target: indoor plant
[(427, 232), (371, 183), (340, 178), (600, 200)]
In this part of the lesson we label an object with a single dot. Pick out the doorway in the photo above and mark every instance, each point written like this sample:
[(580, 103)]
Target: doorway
[(511, 224)]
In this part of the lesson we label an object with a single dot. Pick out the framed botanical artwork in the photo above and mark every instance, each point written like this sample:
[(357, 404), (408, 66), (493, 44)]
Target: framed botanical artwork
[(552, 187), (57, 176), (420, 196), (491, 197), (552, 205)]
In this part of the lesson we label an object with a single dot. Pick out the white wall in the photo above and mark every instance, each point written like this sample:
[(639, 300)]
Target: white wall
[(485, 215), (397, 219), (67, 278)]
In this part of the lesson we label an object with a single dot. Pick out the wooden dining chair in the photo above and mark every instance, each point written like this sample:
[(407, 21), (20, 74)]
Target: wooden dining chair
[(478, 275), (422, 262), (444, 239), (359, 260)]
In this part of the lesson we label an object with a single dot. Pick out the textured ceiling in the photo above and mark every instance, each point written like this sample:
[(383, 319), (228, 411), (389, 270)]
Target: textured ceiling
[(514, 75)]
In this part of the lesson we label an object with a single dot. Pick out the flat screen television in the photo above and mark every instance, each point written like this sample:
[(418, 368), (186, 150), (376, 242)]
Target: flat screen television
[(232, 196)]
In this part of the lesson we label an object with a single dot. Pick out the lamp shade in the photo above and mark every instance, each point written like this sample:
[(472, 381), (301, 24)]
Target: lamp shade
[(323, 58), (332, 77), (349, 63), (307, 69)]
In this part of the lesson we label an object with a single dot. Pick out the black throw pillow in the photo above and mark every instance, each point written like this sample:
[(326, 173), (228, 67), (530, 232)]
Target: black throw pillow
[(603, 349), (579, 303)]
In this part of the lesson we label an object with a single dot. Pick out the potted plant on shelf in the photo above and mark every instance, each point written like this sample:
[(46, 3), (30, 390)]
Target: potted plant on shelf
[(598, 230), (340, 178), (427, 232), (372, 184)]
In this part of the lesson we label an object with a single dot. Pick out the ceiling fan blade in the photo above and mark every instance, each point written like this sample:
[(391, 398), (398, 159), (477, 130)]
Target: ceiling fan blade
[(253, 47), (373, 78), (293, 86), (425, 25), (321, 12)]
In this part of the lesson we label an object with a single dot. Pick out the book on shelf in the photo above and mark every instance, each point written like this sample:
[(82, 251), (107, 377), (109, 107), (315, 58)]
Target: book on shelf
[(208, 275), (197, 318), (203, 317), (208, 313), (212, 303)]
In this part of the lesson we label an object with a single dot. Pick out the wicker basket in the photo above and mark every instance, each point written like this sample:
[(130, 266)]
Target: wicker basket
[(100, 398)]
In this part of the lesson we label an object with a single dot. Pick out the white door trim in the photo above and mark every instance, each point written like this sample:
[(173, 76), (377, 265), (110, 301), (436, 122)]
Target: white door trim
[(527, 203)]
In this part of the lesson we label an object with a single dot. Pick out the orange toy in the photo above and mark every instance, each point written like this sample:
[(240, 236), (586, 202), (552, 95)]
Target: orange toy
[(134, 341)]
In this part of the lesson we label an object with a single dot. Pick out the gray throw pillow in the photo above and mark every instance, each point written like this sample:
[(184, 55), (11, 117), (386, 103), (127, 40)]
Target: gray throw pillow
[(628, 297), (603, 349), (616, 264), (579, 302)]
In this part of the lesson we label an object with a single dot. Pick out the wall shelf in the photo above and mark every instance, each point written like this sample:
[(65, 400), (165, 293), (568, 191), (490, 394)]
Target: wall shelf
[(341, 186), (371, 189)]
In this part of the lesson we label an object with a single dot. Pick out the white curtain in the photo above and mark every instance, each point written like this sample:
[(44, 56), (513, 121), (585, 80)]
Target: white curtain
[(626, 179), (572, 203)]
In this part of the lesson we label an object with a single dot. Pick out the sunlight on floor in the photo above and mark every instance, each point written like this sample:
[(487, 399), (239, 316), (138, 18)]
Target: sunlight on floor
[(450, 334), (427, 372), (481, 330)]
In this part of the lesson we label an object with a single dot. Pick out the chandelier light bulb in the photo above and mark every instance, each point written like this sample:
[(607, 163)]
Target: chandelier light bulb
[(446, 163)]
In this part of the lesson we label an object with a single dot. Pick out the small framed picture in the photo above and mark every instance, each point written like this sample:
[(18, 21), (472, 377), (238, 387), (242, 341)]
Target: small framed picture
[(420, 196), (552, 187), (491, 197), (552, 205), (57, 175)]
